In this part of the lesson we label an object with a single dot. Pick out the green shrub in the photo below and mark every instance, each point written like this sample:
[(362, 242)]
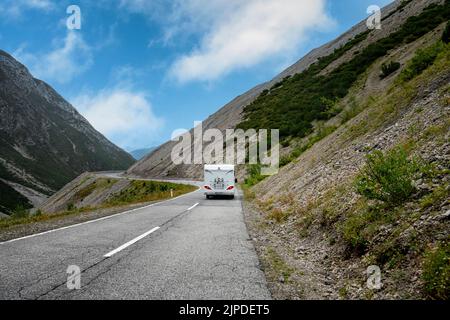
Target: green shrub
[(285, 160), (352, 231), (331, 106), (363, 223), (285, 143), (436, 272), (20, 212), (422, 60), (304, 98), (278, 215), (389, 68), (70, 206), (446, 34), (388, 177), (435, 198), (254, 175)]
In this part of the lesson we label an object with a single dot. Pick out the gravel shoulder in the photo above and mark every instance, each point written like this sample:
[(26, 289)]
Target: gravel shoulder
[(294, 270)]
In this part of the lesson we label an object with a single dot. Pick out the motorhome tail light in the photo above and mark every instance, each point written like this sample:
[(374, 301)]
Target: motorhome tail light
[(208, 188), (230, 188)]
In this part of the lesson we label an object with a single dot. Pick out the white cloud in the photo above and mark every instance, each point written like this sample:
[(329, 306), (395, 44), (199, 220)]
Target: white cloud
[(38, 4), (234, 34), (181, 16), (124, 116), (71, 57), (14, 8), (244, 33)]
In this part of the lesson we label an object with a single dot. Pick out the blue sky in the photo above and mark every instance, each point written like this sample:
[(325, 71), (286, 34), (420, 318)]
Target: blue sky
[(138, 70)]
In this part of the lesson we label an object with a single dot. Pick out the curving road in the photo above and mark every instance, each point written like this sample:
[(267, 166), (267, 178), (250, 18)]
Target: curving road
[(184, 248)]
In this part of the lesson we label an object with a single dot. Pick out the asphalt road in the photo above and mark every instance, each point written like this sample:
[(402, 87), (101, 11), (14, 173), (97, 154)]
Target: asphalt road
[(184, 248)]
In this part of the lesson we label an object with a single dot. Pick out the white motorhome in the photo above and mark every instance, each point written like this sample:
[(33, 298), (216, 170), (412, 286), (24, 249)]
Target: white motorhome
[(219, 180)]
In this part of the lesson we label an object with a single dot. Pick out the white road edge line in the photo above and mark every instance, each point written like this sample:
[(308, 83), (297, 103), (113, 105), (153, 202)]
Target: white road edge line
[(193, 206), (96, 220), (129, 243)]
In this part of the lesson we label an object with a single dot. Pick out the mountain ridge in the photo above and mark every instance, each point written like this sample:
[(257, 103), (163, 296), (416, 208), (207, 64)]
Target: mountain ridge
[(138, 154), (158, 164), (45, 141)]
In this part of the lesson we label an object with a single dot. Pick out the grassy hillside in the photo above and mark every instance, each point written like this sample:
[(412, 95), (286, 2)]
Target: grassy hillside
[(293, 104), (144, 191), (106, 197), (369, 187)]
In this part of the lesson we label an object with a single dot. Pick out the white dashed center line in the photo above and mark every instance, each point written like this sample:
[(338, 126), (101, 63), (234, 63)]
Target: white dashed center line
[(142, 236), (129, 243), (192, 207)]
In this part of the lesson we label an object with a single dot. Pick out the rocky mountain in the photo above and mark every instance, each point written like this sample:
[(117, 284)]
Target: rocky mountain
[(141, 153), (368, 182), (44, 141)]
